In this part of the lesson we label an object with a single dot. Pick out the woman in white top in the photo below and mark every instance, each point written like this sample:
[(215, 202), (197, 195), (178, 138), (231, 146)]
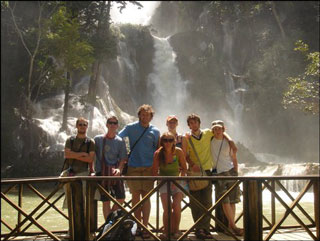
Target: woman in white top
[(226, 164)]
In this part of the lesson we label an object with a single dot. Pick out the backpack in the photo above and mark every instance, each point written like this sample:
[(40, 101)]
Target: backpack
[(125, 231)]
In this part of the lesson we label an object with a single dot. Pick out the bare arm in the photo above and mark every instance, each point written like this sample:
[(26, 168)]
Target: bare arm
[(81, 156), (234, 160), (184, 146), (155, 165), (231, 142), (182, 162), (121, 165)]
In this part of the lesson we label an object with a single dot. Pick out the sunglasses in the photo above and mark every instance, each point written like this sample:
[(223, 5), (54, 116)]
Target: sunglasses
[(82, 124), (168, 140), (112, 123)]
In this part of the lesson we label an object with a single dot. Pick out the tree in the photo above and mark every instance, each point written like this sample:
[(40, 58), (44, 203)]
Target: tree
[(103, 38), (68, 49), (303, 90), (31, 34)]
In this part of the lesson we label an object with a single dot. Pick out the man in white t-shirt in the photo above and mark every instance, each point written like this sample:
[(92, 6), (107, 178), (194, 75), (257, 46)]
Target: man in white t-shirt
[(226, 165)]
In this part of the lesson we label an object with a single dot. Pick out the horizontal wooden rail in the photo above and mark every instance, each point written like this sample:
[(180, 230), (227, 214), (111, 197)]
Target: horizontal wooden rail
[(82, 212)]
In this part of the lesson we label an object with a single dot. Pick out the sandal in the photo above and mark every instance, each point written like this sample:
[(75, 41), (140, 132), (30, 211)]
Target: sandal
[(200, 234), (145, 234), (238, 231)]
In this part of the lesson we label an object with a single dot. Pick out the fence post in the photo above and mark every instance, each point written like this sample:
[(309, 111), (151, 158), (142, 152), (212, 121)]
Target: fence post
[(91, 211), (68, 193), (316, 189), (76, 211), (252, 210), (20, 205), (273, 204)]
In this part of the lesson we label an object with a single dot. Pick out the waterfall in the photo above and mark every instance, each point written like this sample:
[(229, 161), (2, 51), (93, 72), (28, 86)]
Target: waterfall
[(281, 166), (49, 113), (167, 87), (235, 86), (128, 70)]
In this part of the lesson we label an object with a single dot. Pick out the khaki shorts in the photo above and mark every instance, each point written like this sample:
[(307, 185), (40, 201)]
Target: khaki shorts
[(222, 187), (139, 185)]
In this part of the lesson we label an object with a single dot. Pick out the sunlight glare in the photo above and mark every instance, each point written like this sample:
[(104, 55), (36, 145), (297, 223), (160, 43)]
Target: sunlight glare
[(131, 14)]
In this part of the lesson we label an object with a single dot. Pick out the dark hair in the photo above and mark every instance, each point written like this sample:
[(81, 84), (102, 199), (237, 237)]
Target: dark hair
[(161, 151), (193, 117), (147, 108), (112, 117), (81, 119)]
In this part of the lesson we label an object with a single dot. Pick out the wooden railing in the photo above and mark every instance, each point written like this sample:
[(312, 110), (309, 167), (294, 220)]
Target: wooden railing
[(82, 212)]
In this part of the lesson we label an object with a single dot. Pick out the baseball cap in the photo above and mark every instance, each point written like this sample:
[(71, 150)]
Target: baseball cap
[(217, 123), (172, 117)]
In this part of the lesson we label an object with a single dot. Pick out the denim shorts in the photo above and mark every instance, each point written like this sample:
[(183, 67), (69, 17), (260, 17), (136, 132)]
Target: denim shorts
[(173, 188)]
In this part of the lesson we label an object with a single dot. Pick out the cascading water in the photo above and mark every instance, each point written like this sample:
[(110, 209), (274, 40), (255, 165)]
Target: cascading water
[(168, 89), (128, 70), (278, 166), (49, 113), (235, 86)]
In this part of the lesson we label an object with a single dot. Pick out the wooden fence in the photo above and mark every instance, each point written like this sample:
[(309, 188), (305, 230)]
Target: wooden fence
[(82, 210)]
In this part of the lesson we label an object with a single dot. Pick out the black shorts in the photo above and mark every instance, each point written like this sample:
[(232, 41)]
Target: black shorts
[(117, 191)]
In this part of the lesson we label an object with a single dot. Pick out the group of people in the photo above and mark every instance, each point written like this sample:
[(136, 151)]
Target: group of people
[(152, 154)]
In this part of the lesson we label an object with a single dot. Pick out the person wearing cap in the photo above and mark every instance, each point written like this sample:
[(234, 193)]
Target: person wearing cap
[(226, 164), (111, 153), (172, 123), (201, 141)]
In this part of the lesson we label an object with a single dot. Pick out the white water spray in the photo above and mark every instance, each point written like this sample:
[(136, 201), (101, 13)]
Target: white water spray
[(168, 89), (235, 86)]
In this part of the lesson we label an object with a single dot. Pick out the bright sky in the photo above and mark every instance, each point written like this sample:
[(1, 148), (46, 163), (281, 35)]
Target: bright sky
[(131, 14)]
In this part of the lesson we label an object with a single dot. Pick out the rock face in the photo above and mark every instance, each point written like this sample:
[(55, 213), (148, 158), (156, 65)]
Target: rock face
[(127, 74)]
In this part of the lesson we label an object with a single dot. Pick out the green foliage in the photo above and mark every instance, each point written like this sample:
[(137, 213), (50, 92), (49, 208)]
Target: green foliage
[(303, 90), (133, 34), (65, 44)]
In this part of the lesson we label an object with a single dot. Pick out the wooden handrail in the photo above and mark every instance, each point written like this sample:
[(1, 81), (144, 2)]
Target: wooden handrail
[(252, 204)]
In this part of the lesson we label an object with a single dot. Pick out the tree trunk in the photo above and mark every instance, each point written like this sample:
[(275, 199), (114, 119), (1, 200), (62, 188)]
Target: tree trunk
[(64, 126), (276, 16), (92, 93), (103, 28)]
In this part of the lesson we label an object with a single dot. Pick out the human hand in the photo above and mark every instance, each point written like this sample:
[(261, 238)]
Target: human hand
[(117, 172)]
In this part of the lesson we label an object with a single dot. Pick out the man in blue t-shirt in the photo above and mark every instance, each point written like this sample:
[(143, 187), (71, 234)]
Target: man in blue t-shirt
[(144, 141), (111, 153)]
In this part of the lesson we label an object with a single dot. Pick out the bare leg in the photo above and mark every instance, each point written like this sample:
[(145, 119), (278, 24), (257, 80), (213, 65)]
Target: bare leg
[(233, 208), (176, 214), (135, 200), (106, 209), (115, 206), (146, 208), (229, 214), (164, 198)]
